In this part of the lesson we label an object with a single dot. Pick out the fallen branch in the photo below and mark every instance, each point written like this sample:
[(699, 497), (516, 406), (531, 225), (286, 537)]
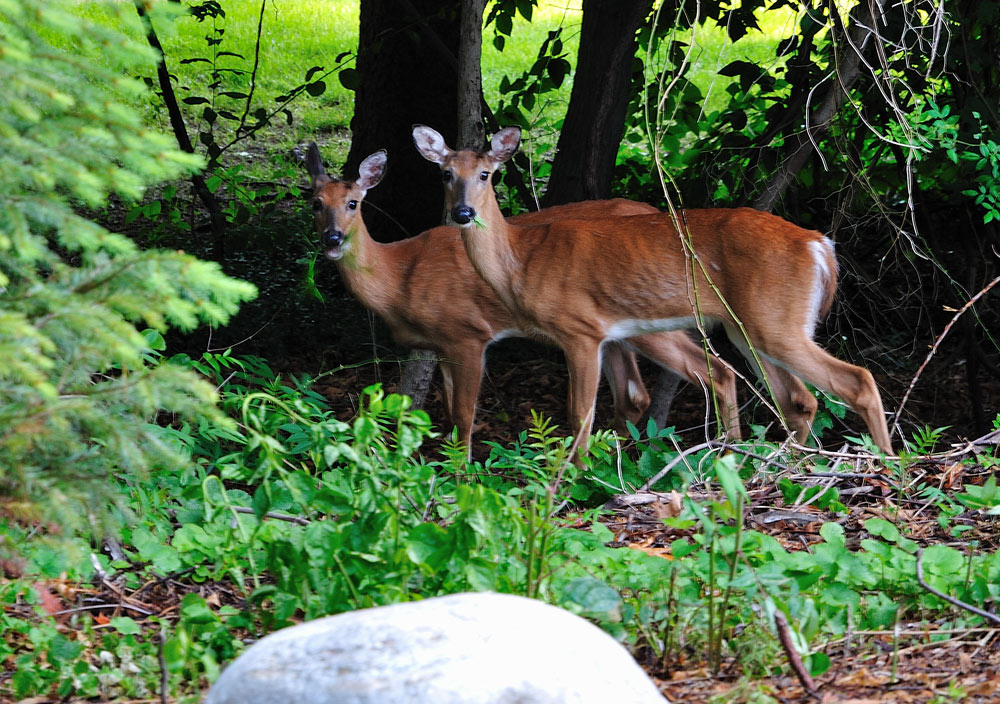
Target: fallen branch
[(950, 599), (785, 638)]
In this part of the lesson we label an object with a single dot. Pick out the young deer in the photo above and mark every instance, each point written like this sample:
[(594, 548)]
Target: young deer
[(588, 280), (430, 297)]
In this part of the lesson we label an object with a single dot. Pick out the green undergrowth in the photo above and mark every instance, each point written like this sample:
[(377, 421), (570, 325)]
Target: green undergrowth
[(292, 514)]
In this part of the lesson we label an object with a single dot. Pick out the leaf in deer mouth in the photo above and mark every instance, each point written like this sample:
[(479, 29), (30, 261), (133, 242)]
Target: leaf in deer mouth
[(480, 223)]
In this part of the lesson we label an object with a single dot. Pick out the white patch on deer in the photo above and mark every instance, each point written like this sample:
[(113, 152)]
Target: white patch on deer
[(822, 251), (630, 327), (633, 391)]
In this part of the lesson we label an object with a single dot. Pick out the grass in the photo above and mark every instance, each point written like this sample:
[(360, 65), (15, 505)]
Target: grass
[(296, 37)]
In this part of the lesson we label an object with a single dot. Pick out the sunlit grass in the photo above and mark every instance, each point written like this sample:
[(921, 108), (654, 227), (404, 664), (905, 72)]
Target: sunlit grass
[(711, 49), (297, 36)]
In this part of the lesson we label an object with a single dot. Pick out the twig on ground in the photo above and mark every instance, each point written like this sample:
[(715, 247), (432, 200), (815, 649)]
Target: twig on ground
[(95, 607), (841, 455), (785, 638), (299, 520), (950, 599)]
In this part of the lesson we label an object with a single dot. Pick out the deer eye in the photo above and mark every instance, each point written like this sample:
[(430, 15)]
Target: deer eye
[(484, 176), (317, 205), (446, 176), (352, 205)]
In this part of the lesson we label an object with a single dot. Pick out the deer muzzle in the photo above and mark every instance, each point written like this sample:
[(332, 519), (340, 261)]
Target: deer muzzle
[(463, 214), (333, 241)]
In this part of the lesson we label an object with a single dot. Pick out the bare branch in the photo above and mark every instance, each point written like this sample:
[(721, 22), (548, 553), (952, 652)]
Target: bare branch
[(950, 599)]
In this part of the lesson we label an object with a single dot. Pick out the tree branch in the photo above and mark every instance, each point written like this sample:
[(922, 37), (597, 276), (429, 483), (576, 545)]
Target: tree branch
[(950, 599), (846, 73)]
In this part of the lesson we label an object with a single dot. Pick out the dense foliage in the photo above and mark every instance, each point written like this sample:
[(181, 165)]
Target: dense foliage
[(78, 397), (295, 514), (237, 500)]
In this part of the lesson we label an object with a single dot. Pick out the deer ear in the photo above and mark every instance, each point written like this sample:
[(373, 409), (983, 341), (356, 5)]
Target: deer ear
[(430, 144), (314, 165), (372, 170), (504, 144)]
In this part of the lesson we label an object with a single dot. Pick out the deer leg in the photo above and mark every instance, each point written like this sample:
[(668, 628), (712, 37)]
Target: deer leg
[(678, 352), (853, 384), (622, 372), (798, 406), (463, 372), (583, 358)]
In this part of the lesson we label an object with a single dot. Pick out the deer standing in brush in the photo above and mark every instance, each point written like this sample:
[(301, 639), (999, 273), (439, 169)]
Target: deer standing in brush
[(429, 295), (585, 281)]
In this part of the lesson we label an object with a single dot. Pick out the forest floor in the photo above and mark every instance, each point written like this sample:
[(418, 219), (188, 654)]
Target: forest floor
[(914, 663)]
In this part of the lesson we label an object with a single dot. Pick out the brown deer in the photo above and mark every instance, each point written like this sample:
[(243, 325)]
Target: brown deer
[(589, 280), (430, 297)]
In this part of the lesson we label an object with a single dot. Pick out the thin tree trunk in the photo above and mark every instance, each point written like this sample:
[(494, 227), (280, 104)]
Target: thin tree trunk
[(215, 215), (418, 372), (595, 121), (471, 130)]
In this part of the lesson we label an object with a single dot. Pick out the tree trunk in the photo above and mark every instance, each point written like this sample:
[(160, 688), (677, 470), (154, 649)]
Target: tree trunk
[(588, 144), (404, 77), (418, 371), (471, 129)]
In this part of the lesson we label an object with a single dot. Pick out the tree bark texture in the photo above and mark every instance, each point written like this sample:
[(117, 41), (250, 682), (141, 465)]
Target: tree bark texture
[(471, 129), (404, 77), (418, 372), (595, 120)]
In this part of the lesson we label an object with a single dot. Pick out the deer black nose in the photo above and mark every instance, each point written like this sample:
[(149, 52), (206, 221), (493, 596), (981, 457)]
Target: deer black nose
[(463, 214), (333, 238)]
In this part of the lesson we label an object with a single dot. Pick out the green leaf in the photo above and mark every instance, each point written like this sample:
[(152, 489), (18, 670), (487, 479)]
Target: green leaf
[(125, 625), (944, 561), (430, 546), (729, 480), (348, 78), (195, 610), (819, 663), (882, 528), (832, 533), (594, 597)]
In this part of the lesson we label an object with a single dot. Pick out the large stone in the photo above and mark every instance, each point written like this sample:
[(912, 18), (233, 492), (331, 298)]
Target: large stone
[(460, 649)]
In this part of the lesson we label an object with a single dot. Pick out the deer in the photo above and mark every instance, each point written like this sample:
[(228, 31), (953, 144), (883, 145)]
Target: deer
[(590, 280), (427, 292)]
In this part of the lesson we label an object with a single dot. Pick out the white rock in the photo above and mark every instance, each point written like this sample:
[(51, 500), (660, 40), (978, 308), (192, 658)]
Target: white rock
[(460, 649)]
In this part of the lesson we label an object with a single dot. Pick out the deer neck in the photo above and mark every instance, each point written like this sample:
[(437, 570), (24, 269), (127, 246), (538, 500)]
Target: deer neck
[(491, 249), (366, 272)]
